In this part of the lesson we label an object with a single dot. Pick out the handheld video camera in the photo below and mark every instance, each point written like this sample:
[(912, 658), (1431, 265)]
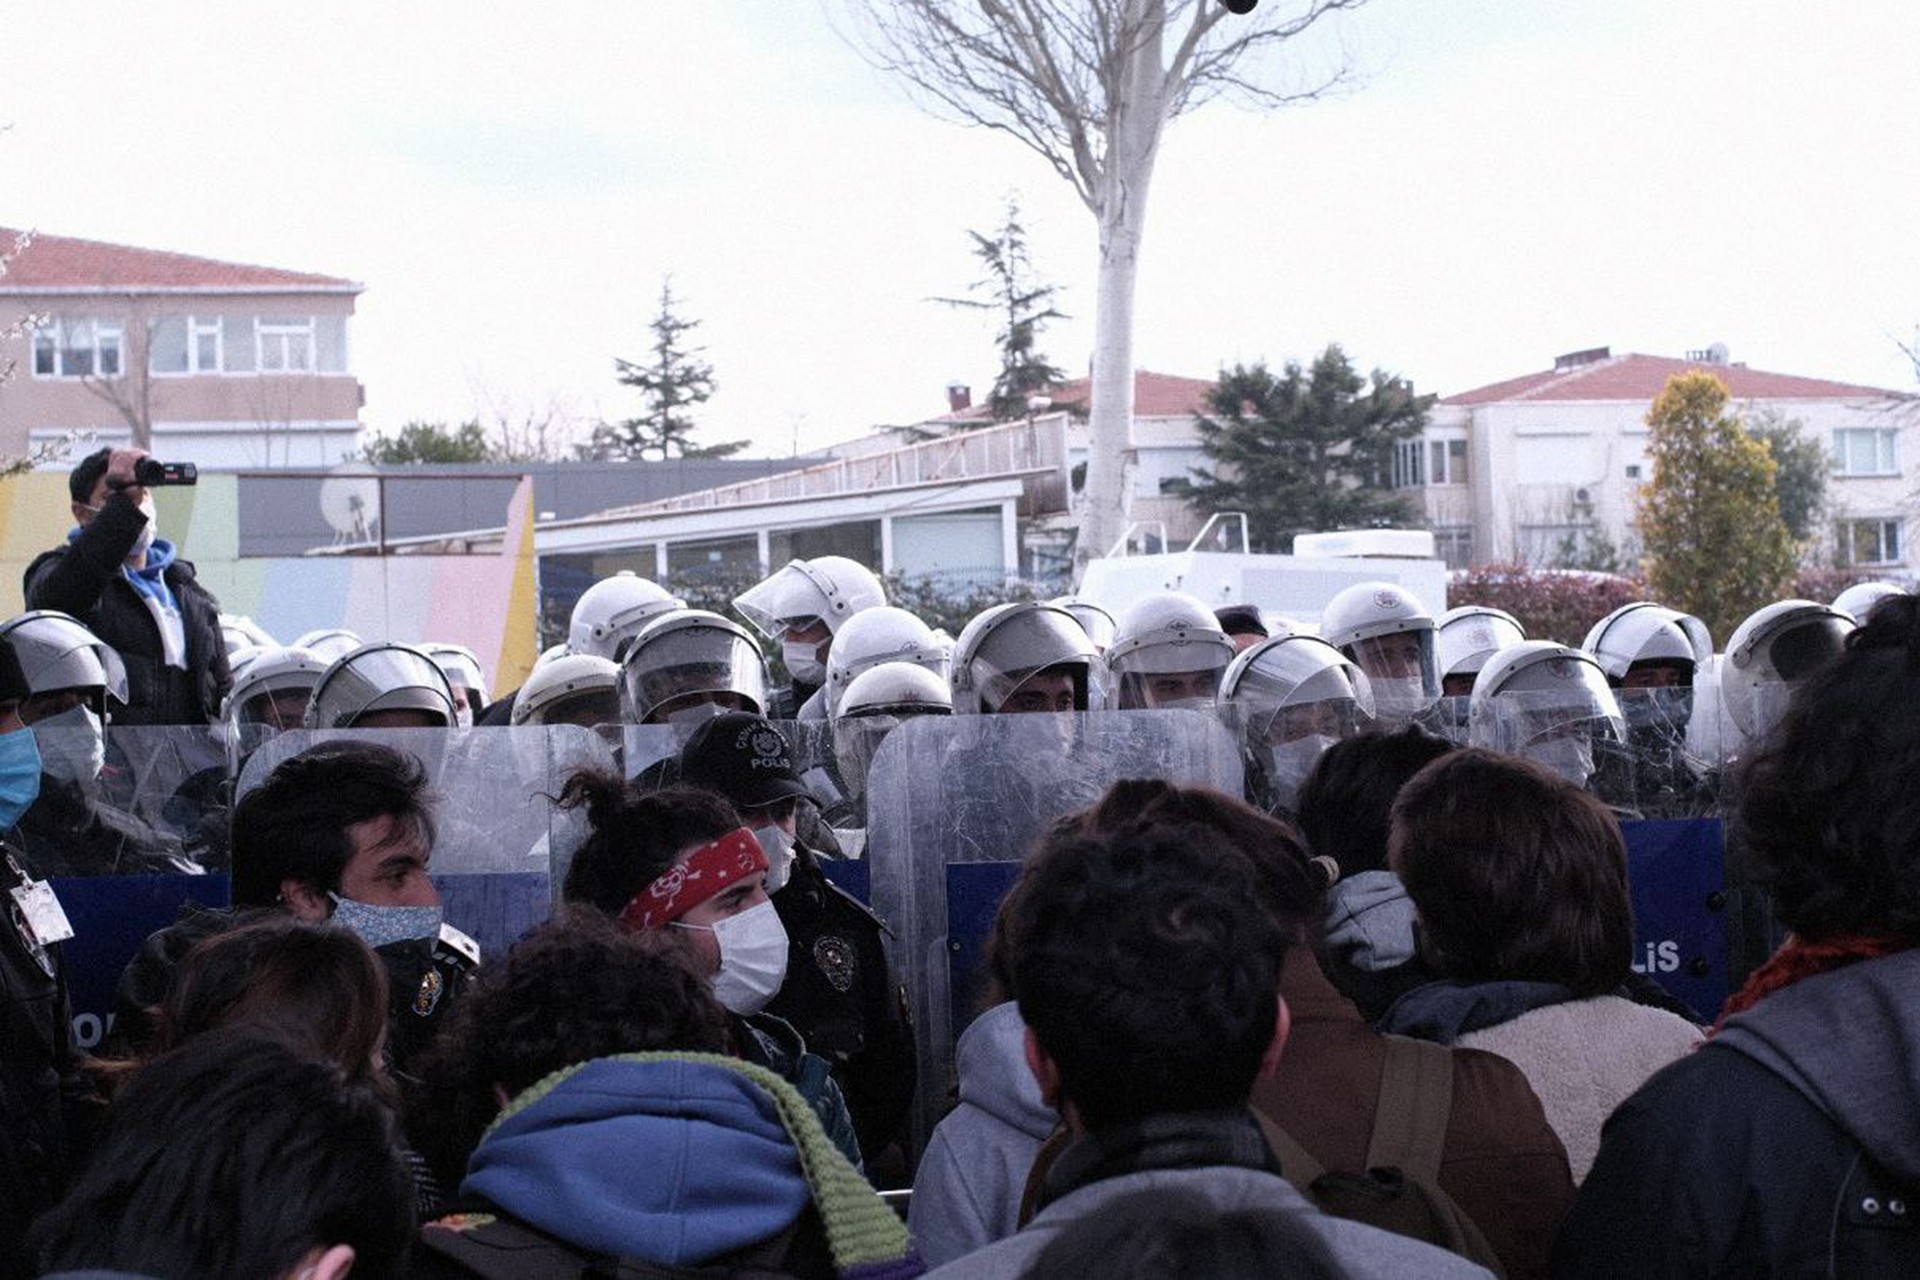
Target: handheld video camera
[(149, 472)]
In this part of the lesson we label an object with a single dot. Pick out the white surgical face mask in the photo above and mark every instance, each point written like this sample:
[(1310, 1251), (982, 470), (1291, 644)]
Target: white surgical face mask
[(753, 958), (803, 661), (72, 747), (1293, 761), (778, 846), (148, 532), (1571, 758), (1399, 697)]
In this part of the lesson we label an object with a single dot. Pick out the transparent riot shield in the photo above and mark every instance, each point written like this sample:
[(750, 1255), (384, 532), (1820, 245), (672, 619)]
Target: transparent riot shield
[(955, 805), (128, 828), (498, 834), (1674, 753)]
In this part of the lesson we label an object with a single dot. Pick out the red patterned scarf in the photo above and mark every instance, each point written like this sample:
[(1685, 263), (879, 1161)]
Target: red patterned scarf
[(685, 885)]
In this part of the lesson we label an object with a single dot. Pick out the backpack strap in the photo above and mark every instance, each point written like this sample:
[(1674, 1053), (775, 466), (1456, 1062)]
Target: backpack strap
[(1297, 1164), (1415, 1103)]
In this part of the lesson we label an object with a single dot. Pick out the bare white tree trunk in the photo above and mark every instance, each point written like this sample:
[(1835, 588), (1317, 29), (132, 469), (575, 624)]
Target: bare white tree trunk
[(1121, 208)]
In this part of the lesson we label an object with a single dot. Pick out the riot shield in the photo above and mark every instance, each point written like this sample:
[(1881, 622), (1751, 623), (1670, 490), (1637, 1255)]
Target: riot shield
[(498, 834), (1677, 878), (954, 806), (125, 846)]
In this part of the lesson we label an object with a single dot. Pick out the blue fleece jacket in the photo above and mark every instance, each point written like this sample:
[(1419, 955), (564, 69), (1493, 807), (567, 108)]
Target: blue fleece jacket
[(674, 1162)]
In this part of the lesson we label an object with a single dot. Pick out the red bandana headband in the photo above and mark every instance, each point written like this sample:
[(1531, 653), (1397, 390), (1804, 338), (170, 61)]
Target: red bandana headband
[(685, 885)]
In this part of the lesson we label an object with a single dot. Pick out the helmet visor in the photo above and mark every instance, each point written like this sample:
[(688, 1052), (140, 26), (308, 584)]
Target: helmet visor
[(674, 667)]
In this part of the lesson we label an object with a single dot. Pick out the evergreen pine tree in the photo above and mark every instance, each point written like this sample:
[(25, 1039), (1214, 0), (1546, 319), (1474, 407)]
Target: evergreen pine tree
[(1024, 304), (1305, 450), (670, 385)]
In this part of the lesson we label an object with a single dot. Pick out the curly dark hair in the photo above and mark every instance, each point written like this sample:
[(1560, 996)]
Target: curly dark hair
[(1827, 809), (576, 988), (636, 835), (1148, 967), (1516, 873)]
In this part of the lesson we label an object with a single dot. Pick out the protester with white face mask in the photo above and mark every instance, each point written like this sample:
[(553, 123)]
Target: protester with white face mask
[(838, 990), (678, 865), (130, 588)]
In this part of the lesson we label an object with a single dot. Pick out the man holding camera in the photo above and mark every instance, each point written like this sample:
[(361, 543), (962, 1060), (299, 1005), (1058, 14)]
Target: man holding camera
[(120, 579)]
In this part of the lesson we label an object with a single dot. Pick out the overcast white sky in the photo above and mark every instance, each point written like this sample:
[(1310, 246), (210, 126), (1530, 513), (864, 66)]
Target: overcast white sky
[(1514, 179)]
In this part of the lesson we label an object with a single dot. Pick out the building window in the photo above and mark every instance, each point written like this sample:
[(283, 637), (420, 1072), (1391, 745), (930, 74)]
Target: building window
[(1409, 470), (286, 344), (1454, 544), (1865, 451), (79, 347), (1870, 541), (1447, 462)]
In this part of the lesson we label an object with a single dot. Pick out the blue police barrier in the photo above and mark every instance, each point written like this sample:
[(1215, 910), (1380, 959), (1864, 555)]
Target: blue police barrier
[(1676, 870), (111, 917)]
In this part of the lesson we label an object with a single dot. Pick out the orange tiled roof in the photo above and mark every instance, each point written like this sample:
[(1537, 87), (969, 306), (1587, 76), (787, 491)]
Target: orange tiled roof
[(1640, 378), (54, 264)]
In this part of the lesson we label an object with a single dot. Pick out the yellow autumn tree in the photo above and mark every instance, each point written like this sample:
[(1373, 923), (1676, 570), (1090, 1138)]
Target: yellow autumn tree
[(1709, 518)]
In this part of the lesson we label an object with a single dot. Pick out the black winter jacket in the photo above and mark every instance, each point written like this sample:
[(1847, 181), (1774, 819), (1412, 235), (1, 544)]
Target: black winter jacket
[(1787, 1146), (84, 579)]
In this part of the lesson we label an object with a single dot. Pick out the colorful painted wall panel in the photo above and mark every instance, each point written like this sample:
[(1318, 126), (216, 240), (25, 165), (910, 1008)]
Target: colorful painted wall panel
[(487, 602)]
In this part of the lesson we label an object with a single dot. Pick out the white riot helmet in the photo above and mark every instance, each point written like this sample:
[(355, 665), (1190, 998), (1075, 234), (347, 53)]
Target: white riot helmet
[(55, 651), (1649, 634), (395, 682), (873, 705), (548, 654), (274, 690), (329, 643), (881, 634), (691, 665), (461, 666), (1293, 697), (578, 688), (1168, 651), (611, 612), (1466, 637), (1098, 622), (1002, 648), (1775, 648), (830, 588), (1857, 601), (1385, 629), (239, 631), (1549, 703)]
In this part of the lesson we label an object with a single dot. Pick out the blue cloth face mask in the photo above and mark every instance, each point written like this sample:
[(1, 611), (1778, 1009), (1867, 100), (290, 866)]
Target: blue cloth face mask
[(378, 925), (19, 775)]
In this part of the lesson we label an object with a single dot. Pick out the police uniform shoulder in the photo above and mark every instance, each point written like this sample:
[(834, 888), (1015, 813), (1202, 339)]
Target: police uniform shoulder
[(459, 945), (841, 898)]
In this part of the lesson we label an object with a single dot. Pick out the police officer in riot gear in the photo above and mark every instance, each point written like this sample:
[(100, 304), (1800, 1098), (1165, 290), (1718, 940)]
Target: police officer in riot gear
[(1389, 634), (1652, 656), (72, 828), (1292, 697), (382, 686), (801, 606), (1024, 657), (1168, 652)]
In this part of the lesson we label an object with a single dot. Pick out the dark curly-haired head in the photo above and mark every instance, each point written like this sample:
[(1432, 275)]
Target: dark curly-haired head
[(1828, 809), (576, 988), (636, 835), (1516, 873), (1148, 969)]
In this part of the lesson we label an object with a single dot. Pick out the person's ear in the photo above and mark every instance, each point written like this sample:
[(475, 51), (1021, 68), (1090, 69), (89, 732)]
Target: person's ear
[(1046, 1072), (1282, 1025), (304, 901), (82, 513), (333, 1263)]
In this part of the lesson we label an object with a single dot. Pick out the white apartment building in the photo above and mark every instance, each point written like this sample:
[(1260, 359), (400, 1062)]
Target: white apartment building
[(1509, 471)]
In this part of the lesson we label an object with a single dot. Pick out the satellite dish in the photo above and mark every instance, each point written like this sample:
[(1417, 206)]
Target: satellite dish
[(1717, 353), (350, 502)]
